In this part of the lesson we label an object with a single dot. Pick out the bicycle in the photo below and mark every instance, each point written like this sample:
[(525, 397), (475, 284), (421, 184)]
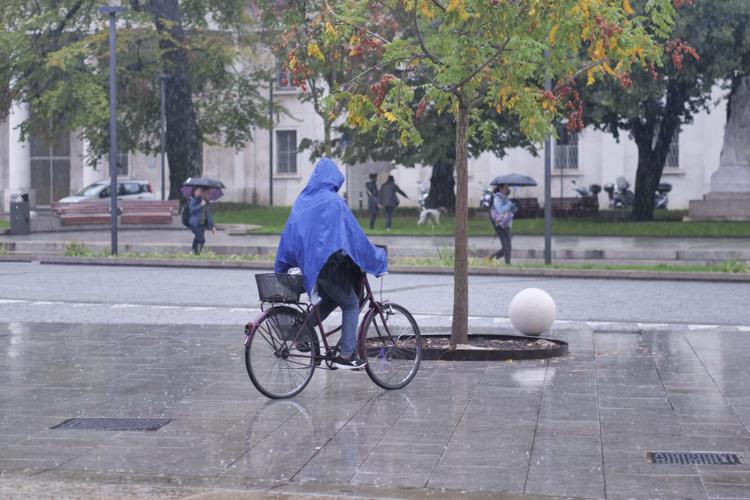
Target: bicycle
[(283, 348)]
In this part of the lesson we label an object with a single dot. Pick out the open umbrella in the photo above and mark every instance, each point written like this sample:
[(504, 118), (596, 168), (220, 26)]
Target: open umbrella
[(513, 180), (212, 188)]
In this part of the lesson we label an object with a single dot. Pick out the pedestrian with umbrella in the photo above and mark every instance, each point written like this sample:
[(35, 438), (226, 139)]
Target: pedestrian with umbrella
[(503, 209), (197, 215)]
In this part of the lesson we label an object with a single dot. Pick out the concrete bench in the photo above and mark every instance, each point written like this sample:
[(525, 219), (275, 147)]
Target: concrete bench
[(130, 212), (148, 212), (528, 208), (575, 207)]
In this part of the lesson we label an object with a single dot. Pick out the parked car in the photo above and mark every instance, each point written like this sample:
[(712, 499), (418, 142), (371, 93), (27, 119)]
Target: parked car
[(127, 189)]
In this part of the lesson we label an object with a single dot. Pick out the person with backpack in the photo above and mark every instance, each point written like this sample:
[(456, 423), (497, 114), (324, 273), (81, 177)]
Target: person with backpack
[(324, 240), (501, 215), (389, 199), (197, 217)]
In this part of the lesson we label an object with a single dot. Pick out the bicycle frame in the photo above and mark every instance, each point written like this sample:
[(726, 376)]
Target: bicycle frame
[(368, 300)]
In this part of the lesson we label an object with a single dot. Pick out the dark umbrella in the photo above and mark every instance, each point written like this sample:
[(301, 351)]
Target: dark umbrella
[(212, 188), (513, 180)]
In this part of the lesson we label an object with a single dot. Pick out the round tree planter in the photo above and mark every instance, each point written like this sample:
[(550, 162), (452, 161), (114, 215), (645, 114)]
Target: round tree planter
[(492, 348)]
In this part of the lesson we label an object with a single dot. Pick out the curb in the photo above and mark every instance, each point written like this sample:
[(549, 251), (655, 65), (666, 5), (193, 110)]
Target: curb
[(400, 269)]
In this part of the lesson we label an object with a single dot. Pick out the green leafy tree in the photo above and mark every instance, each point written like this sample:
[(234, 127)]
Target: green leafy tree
[(55, 58), (710, 42), (494, 53)]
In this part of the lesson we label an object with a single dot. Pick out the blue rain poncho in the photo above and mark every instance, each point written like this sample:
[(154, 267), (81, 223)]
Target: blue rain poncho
[(320, 225)]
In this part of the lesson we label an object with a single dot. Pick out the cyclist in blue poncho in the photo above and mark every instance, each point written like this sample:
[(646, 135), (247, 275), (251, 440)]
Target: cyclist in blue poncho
[(324, 240)]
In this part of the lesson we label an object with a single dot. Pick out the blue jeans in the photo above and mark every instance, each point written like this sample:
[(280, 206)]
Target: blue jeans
[(200, 238), (333, 296)]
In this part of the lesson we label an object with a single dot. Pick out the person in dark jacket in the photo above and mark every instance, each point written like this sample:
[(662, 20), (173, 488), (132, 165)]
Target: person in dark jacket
[(372, 199), (389, 199), (200, 219)]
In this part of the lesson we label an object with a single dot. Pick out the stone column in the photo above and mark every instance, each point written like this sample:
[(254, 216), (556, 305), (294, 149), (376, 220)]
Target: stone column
[(19, 156), (729, 198)]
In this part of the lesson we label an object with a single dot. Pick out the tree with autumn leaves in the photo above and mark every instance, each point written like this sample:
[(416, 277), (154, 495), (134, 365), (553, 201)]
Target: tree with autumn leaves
[(319, 56), (497, 53)]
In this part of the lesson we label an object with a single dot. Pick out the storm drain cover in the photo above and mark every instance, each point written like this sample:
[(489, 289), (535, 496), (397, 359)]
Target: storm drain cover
[(685, 457), (113, 424)]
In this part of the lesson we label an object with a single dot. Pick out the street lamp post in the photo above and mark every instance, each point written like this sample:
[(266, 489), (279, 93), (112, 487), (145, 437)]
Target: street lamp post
[(112, 12), (548, 193), (163, 77), (270, 142)]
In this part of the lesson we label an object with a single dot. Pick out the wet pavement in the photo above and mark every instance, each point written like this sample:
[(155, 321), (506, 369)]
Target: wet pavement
[(579, 426)]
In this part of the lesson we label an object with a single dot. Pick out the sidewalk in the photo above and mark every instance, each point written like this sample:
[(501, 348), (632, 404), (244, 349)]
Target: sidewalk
[(581, 425), (530, 248)]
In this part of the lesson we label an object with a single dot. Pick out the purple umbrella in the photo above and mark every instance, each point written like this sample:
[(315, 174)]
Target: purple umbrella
[(212, 189)]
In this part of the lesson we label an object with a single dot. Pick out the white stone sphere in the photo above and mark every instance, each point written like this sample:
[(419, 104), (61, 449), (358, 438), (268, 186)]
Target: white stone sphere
[(532, 311)]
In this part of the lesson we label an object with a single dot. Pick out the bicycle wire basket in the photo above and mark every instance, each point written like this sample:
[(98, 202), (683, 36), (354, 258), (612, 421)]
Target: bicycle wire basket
[(279, 287)]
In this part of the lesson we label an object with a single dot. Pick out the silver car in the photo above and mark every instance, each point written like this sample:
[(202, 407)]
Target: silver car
[(127, 189)]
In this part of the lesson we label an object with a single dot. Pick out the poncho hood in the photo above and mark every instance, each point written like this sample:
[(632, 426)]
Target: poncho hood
[(321, 224)]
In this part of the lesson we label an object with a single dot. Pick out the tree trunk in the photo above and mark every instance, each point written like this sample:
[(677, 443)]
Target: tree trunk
[(645, 184), (184, 143), (460, 327), (326, 138), (442, 186), (651, 160)]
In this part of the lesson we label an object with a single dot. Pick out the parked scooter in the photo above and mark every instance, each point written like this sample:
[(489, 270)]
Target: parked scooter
[(620, 195), (591, 191), (485, 202)]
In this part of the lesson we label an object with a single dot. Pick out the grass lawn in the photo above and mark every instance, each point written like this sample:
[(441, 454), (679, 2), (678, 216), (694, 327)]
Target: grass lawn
[(667, 224), (445, 260), (4, 224)]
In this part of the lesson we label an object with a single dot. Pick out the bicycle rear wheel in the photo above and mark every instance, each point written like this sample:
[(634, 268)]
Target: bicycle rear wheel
[(391, 344), (280, 353)]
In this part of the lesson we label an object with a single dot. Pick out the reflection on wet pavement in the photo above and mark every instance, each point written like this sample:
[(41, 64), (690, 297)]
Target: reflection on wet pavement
[(579, 425)]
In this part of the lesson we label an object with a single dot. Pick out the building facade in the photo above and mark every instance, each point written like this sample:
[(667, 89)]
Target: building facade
[(53, 167)]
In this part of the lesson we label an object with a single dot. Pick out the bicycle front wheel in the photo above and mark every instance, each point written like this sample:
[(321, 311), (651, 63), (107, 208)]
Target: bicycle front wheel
[(391, 344), (280, 353)]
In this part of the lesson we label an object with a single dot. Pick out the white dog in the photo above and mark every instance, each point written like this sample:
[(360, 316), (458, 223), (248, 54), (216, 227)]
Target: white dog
[(430, 214)]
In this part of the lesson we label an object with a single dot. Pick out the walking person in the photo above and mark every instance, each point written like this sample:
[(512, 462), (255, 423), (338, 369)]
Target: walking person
[(200, 219), (389, 199), (501, 215), (372, 199)]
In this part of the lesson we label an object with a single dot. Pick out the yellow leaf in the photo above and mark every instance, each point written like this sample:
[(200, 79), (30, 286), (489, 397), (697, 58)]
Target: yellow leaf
[(599, 52), (404, 139), (314, 51), (627, 7), (424, 8), (552, 35), (608, 69), (390, 116), (330, 30), (293, 62), (591, 79)]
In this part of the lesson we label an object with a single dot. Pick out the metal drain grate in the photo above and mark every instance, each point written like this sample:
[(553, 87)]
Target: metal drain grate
[(685, 457), (113, 424)]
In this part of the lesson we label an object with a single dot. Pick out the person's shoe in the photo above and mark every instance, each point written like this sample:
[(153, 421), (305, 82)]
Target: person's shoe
[(350, 363)]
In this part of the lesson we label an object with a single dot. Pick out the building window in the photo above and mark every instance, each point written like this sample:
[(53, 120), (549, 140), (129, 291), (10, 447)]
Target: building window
[(286, 151), (566, 149), (50, 164), (284, 79), (673, 156)]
